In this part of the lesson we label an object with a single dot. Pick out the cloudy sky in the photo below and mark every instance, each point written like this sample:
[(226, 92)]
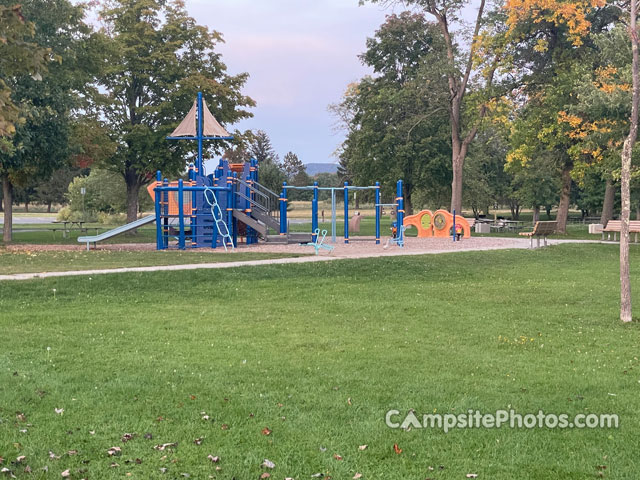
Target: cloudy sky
[(300, 54)]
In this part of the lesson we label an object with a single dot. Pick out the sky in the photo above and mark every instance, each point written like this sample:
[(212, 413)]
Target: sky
[(300, 55)]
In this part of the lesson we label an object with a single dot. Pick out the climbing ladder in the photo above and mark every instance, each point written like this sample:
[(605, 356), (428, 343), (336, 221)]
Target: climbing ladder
[(216, 213)]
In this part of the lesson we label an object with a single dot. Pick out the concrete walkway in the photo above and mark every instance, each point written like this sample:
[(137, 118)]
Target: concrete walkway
[(514, 243)]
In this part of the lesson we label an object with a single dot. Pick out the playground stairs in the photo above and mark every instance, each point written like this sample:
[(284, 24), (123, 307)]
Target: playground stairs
[(261, 213)]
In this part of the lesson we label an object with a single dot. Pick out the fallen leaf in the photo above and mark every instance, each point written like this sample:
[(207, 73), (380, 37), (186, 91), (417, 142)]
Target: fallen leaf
[(126, 437), (27, 469), (23, 430), (397, 449), (92, 432), (20, 459), (148, 436), (66, 474), (193, 397), (163, 470), (224, 426), (53, 456), (349, 402), (357, 476), (213, 459), (265, 475), (337, 457), (165, 445), (185, 475), (268, 464), (114, 465), (7, 472), (266, 431), (114, 451), (205, 417), (362, 447), (59, 411), (21, 416), (317, 475), (472, 475), (72, 452), (198, 441)]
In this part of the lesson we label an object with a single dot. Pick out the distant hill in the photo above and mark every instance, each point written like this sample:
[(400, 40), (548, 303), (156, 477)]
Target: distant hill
[(316, 168)]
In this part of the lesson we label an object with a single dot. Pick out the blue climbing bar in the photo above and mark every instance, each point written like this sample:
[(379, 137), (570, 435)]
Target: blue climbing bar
[(181, 237), (400, 203), (378, 213), (346, 212), (283, 209), (314, 212)]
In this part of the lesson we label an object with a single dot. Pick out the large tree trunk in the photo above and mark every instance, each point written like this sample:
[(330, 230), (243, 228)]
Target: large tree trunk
[(408, 204), (563, 206), (133, 189), (607, 204), (456, 184), (48, 207), (625, 176), (536, 214), (7, 195), (26, 206)]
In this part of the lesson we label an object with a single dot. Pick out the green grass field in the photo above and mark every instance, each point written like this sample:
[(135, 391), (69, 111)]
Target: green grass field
[(317, 354)]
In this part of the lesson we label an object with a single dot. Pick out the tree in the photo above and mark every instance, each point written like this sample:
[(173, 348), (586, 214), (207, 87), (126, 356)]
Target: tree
[(396, 122), (18, 56), (292, 166), (627, 151), (53, 189), (261, 148), (550, 45), (41, 142), (463, 128), (158, 59)]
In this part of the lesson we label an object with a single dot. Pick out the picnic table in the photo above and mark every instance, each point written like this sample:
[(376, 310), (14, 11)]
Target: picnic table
[(507, 225), (67, 226)]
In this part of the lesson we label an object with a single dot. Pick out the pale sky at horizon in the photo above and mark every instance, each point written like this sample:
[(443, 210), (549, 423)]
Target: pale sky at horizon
[(300, 55)]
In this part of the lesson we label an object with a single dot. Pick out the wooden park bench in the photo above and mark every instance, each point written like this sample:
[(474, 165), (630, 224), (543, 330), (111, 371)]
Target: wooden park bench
[(614, 226), (541, 229)]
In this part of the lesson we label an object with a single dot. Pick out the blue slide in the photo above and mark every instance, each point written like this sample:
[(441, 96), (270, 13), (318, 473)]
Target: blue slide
[(117, 231)]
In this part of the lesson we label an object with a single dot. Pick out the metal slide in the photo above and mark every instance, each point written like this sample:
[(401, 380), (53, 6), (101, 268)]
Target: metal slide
[(117, 231)]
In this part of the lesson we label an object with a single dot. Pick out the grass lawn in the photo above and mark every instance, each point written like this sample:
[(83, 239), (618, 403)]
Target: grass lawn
[(57, 261), (315, 355)]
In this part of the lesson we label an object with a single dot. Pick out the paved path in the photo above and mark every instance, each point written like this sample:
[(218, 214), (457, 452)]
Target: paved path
[(29, 220), (515, 243)]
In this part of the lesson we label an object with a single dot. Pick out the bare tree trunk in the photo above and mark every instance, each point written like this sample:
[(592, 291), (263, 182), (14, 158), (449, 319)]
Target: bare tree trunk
[(563, 206), (607, 204), (7, 194), (408, 203), (132, 202), (625, 176), (48, 207), (536, 213), (456, 184), (26, 206)]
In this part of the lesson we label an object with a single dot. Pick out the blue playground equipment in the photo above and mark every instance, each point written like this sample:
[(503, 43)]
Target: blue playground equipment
[(318, 243)]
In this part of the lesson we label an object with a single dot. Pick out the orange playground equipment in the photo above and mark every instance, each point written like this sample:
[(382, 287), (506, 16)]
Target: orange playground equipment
[(438, 224)]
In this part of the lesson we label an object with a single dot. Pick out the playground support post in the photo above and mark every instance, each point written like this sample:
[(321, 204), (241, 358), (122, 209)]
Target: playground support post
[(165, 226), (283, 209), (234, 220), (400, 202), (333, 215), (194, 210), (378, 211), (181, 239), (230, 196), (314, 212), (200, 126), (159, 243), (346, 212), (454, 224)]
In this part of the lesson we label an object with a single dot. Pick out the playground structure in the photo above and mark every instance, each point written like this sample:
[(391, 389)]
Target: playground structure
[(230, 205), (440, 224)]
